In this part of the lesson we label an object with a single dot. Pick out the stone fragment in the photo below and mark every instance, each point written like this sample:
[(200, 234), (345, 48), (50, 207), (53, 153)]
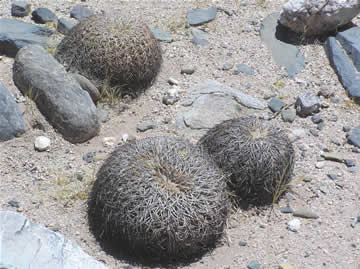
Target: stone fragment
[(161, 35), (144, 126), (87, 86), (294, 225), (276, 104), (199, 37), (305, 213), (288, 115), (80, 12), (354, 137), (64, 26), (43, 15), (187, 70), (243, 68), (307, 104), (316, 119), (198, 17), (254, 265), (318, 17), (42, 143), (334, 156), (20, 9)]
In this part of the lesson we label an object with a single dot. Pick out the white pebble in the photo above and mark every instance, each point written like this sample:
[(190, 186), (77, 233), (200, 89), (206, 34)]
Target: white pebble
[(320, 165), (109, 141), (294, 225), (124, 137), (42, 143)]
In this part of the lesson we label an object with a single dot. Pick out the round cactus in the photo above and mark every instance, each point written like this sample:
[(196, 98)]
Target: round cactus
[(112, 52), (158, 200), (257, 157)]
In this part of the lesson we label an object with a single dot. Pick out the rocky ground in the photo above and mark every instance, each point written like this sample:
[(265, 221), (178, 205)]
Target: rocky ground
[(51, 187)]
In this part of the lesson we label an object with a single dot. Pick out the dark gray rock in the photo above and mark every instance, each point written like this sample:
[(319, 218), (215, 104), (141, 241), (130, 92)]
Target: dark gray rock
[(197, 17), (87, 86), (15, 34), (245, 69), (11, 119), (288, 115), (57, 94), (80, 12), (161, 35), (316, 119), (199, 37), (343, 64), (307, 104), (242, 244), (14, 203), (276, 104), (39, 246), (144, 126), (284, 54), (43, 15), (354, 137), (64, 26), (20, 9), (349, 162), (346, 129)]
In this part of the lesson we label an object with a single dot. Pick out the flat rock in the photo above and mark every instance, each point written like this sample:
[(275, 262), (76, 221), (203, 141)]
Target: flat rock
[(318, 17), (288, 115), (334, 156), (15, 34), (57, 94), (64, 26), (43, 15), (197, 17), (11, 119), (343, 52), (199, 37), (284, 54), (20, 9), (354, 137), (161, 35), (305, 213), (276, 104), (144, 126), (210, 103), (244, 69), (80, 12), (39, 246)]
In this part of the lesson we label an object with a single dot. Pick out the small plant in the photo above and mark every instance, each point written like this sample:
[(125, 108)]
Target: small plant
[(159, 200), (257, 157)]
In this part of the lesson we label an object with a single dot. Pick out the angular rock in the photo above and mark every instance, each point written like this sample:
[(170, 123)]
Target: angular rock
[(276, 104), (316, 119), (354, 137), (284, 54), (197, 17), (64, 26), (318, 17), (343, 52), (144, 126), (43, 15), (20, 9), (39, 246), (294, 225), (199, 37), (243, 68), (161, 35), (334, 156), (15, 34), (87, 86), (210, 103), (57, 94), (11, 119), (254, 264), (288, 115), (80, 12), (307, 104), (227, 66)]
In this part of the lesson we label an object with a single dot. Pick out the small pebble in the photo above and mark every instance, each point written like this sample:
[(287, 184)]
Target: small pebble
[(352, 170), (320, 165), (346, 129), (320, 126), (336, 141), (254, 265), (144, 126), (332, 176), (294, 225), (349, 162), (109, 141), (305, 213), (89, 157), (242, 244), (227, 66), (314, 132), (288, 115), (286, 210), (316, 119), (42, 143), (14, 203), (323, 189), (173, 81), (276, 104), (187, 70)]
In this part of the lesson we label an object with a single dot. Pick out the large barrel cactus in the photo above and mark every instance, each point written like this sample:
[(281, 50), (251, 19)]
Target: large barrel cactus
[(257, 157), (112, 52), (158, 200)]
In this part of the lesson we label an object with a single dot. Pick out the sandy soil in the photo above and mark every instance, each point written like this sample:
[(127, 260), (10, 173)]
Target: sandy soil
[(51, 186)]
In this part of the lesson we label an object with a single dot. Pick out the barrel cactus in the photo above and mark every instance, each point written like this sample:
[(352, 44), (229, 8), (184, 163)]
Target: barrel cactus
[(158, 200), (257, 157), (110, 51)]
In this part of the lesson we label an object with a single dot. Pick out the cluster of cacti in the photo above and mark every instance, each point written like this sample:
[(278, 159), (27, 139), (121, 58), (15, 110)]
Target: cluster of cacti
[(159, 199), (112, 52), (257, 157)]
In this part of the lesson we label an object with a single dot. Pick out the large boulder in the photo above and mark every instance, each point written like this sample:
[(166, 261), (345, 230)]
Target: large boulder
[(28, 245), (15, 34), (57, 94), (317, 17), (11, 118)]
